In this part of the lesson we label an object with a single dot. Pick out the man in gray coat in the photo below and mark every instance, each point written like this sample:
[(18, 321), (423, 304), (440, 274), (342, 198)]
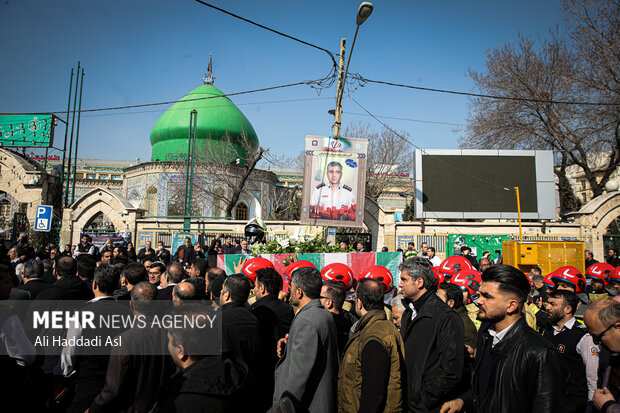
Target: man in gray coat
[(307, 370)]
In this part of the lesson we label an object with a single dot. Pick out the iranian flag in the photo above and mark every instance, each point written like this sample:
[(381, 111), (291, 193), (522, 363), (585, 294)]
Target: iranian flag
[(357, 261)]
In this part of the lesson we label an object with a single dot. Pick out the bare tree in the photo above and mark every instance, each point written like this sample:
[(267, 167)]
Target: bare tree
[(389, 157), (230, 164), (538, 78)]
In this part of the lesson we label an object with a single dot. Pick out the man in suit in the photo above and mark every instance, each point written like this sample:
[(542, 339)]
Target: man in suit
[(86, 365), (147, 251), (240, 328), (275, 317), (306, 372), (33, 278), (137, 370), (173, 275)]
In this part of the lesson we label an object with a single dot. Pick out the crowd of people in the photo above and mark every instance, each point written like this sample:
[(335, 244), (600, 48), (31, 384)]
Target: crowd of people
[(452, 335)]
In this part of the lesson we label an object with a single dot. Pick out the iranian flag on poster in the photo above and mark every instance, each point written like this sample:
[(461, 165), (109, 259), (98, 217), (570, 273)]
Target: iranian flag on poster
[(358, 261)]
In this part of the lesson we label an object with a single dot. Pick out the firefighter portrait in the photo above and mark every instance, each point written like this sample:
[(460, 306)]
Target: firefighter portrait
[(333, 200)]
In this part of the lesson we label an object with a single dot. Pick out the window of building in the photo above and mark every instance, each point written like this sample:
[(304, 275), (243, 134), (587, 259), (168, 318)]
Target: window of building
[(104, 176), (91, 176), (584, 197), (241, 212), (5, 209), (117, 178), (151, 201), (583, 184)]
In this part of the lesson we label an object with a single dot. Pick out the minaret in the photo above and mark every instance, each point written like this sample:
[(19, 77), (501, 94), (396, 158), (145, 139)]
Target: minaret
[(208, 78)]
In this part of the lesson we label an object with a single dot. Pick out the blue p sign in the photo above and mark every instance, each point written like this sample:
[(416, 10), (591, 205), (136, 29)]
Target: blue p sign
[(43, 218)]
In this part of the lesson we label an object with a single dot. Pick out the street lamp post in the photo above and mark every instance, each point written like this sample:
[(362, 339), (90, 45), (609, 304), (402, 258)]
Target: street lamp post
[(363, 12)]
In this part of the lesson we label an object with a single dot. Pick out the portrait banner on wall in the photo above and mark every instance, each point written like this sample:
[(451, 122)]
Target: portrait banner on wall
[(178, 238), (100, 238), (334, 181)]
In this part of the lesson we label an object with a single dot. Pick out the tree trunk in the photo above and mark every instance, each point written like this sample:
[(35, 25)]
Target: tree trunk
[(239, 188)]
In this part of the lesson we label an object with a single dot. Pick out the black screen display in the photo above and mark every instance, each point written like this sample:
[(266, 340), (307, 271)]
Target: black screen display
[(473, 183)]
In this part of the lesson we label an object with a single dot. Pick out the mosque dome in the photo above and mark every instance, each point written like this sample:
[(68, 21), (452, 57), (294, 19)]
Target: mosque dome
[(217, 119)]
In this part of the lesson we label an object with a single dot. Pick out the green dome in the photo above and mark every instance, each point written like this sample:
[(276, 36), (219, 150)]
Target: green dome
[(217, 118)]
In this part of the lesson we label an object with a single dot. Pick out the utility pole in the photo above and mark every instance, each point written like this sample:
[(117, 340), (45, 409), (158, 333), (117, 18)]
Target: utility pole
[(339, 91), (71, 139), (77, 136)]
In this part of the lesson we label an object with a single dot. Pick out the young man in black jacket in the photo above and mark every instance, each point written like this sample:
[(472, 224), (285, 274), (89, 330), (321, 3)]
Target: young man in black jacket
[(275, 318), (516, 369), (433, 336)]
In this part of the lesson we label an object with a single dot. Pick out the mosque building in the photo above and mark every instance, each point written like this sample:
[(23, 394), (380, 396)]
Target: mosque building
[(225, 143)]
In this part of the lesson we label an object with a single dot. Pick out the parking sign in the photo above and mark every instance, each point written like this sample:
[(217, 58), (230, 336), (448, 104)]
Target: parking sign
[(43, 219)]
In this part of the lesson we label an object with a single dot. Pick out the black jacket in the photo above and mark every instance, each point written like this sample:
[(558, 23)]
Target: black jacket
[(240, 334), (144, 253), (274, 314), (212, 384), (35, 286), (136, 372), (275, 317), (67, 288), (433, 353), (526, 373)]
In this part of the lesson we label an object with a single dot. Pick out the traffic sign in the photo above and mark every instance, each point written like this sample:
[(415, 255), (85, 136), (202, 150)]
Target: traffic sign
[(43, 219)]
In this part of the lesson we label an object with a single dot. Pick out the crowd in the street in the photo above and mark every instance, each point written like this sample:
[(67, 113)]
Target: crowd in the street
[(455, 335)]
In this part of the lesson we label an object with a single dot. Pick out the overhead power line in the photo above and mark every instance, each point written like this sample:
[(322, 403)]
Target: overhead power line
[(465, 173), (480, 95), (305, 82), (407, 119), (330, 54)]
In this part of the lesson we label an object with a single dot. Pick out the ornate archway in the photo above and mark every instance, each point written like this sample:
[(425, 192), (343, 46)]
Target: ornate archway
[(595, 217), (116, 210)]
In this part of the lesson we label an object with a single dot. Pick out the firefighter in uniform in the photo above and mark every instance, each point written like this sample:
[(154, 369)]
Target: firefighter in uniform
[(598, 274), (576, 347), (333, 200)]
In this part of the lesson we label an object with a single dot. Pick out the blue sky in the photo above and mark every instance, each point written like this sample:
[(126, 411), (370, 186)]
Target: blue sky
[(143, 51)]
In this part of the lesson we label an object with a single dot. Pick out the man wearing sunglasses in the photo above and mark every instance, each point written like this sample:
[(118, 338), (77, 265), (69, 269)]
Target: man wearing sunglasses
[(603, 320)]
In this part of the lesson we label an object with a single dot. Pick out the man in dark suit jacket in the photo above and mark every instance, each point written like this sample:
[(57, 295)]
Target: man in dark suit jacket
[(33, 278), (135, 374), (275, 318), (174, 274), (240, 328), (433, 335), (90, 370), (147, 251), (68, 286), (308, 367)]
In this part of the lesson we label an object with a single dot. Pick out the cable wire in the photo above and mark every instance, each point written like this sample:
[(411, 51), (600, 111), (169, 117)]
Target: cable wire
[(407, 119), (424, 151), (305, 82), (362, 79), (330, 54)]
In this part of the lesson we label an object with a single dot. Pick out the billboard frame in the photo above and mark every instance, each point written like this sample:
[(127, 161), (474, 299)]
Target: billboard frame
[(21, 142), (545, 185)]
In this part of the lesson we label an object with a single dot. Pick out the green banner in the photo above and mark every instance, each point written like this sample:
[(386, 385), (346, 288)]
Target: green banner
[(477, 243), (35, 130)]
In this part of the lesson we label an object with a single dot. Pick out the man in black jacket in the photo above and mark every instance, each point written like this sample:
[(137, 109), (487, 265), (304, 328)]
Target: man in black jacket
[(240, 328), (68, 286), (137, 370), (147, 251), (433, 335), (89, 365), (516, 369), (205, 383), (33, 278), (275, 318)]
